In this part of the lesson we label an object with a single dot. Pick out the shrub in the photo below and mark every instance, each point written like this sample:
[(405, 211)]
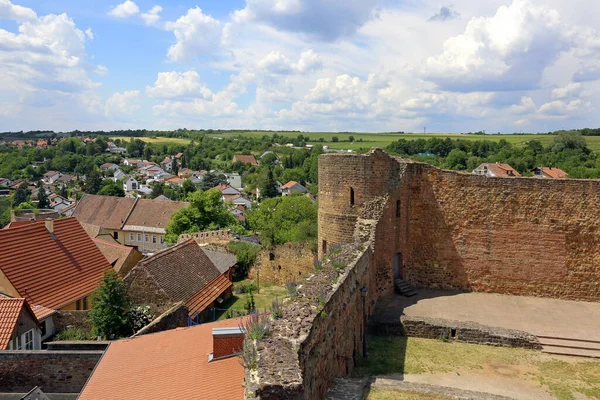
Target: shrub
[(292, 289), (318, 265), (245, 253), (73, 334), (140, 316), (324, 314), (276, 310), (249, 355), (250, 306), (337, 263), (110, 315), (256, 325)]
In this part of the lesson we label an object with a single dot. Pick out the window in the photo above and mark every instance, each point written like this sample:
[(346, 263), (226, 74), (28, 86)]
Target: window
[(139, 237), (14, 343), (28, 340), (116, 235), (398, 208), (324, 247), (162, 239), (146, 237), (153, 238), (43, 328), (85, 303), (78, 305), (134, 186), (351, 196), (131, 237)]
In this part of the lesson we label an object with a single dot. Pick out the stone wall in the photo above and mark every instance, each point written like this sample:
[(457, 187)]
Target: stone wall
[(451, 230), (289, 262), (54, 371), (462, 331), (208, 236), (65, 319), (319, 336), (143, 289), (175, 317)]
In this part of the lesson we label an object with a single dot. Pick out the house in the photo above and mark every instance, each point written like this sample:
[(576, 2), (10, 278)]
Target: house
[(19, 328), (178, 156), (151, 171), (67, 211), (234, 180), (162, 197), (227, 190), (118, 175), (197, 362), (50, 177), (185, 173), (238, 200), (549, 172), (134, 163), (130, 221), (500, 170), (122, 258), (51, 263), (65, 179), (277, 161), (182, 273), (5, 182), (245, 159), (109, 167), (58, 202), (225, 262), (293, 187), (174, 181), (131, 184), (167, 164)]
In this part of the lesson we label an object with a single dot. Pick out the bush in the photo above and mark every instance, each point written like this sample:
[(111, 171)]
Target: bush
[(249, 355), (245, 253), (256, 325), (140, 316), (73, 334), (276, 310), (250, 306), (110, 315)]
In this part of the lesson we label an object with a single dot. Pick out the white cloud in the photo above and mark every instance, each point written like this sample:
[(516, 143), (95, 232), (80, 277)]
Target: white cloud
[(326, 20), (89, 33), (122, 106), (445, 13), (152, 16), (526, 106), (561, 108), (570, 90), (174, 84), (277, 63), (196, 33), (14, 12), (508, 51), (125, 10), (101, 70)]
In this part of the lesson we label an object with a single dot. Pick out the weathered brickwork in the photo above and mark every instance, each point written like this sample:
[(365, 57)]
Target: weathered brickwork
[(453, 230), (54, 371), (289, 262)]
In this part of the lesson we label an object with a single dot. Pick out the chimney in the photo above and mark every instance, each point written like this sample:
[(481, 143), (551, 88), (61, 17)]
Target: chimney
[(227, 341), (50, 225)]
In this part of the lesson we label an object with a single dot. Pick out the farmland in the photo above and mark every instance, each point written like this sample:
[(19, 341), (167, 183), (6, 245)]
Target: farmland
[(365, 141)]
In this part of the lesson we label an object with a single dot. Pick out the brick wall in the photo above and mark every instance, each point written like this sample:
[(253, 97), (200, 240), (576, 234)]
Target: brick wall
[(453, 230), (289, 262), (54, 371)]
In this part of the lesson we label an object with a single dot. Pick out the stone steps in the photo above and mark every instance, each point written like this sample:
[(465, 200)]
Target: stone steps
[(404, 288), (570, 346), (347, 389)]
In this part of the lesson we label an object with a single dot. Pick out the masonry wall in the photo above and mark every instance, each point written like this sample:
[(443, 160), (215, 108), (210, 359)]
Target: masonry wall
[(142, 289), (452, 230), (54, 371), (289, 262), (519, 236)]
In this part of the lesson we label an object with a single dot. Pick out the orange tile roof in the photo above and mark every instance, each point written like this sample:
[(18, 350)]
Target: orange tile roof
[(555, 173), (290, 184), (117, 255), (51, 271), (208, 294), (153, 214), (106, 211), (245, 159), (42, 312), (9, 314), (171, 364), (502, 169)]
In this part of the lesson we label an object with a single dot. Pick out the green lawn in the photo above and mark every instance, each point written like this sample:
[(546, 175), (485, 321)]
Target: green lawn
[(564, 377), (370, 140), (262, 299)]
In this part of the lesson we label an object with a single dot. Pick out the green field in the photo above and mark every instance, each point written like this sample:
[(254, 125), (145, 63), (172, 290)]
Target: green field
[(370, 140)]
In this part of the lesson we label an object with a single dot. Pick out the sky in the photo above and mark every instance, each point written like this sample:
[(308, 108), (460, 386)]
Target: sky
[(313, 65)]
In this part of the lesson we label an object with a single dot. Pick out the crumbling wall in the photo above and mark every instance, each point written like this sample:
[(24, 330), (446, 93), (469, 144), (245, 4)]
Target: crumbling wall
[(320, 335), (143, 290), (289, 262)]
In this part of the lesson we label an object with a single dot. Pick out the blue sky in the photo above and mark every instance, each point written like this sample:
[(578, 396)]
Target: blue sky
[(318, 65)]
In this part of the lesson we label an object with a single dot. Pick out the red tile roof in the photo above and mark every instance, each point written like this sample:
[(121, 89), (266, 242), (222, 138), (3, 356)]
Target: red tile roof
[(42, 312), (245, 159), (122, 258), (555, 173), (51, 270), (289, 185), (106, 211), (211, 292), (9, 314), (501, 170), (171, 364), (152, 215)]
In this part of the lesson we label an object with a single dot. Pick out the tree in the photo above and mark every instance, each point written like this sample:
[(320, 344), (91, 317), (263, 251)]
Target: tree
[(109, 315), (205, 212), (63, 191), (93, 182), (43, 200), (4, 211), (158, 189), (211, 180), (335, 139), (110, 188), (21, 195), (351, 138), (187, 187), (267, 185)]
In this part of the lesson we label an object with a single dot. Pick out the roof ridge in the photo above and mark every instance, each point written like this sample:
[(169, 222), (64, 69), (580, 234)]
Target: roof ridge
[(95, 239), (167, 251), (135, 203)]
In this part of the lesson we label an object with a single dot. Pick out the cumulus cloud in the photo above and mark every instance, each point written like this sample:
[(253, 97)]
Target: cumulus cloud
[(152, 16), (570, 90), (174, 84), (277, 63), (326, 20), (445, 13), (89, 33), (125, 10), (121, 106), (508, 51), (526, 106), (14, 12), (559, 108), (196, 33)]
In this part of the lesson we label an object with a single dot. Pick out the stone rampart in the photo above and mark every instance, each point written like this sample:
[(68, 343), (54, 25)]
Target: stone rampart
[(54, 371), (208, 236), (320, 335), (452, 230)]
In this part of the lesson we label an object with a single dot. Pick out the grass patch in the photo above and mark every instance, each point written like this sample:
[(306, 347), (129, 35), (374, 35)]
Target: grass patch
[(387, 394), (268, 292), (562, 376)]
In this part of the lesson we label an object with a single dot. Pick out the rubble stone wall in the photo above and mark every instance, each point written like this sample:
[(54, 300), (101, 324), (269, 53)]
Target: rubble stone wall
[(289, 262)]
